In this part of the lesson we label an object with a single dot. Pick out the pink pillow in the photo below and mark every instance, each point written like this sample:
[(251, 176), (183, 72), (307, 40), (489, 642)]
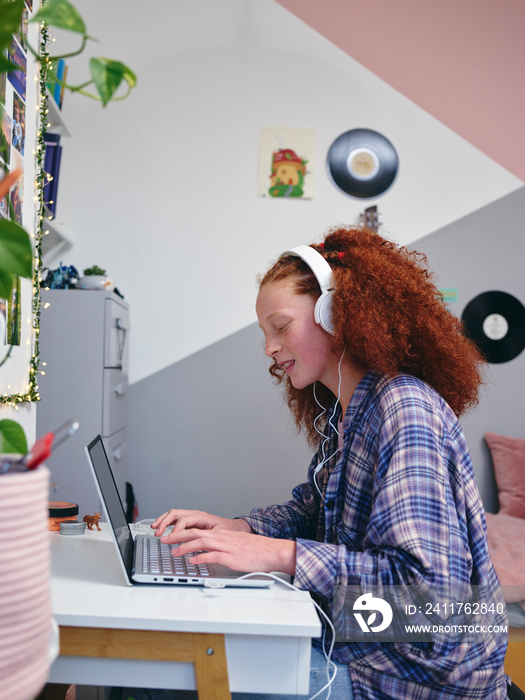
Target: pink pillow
[(508, 457)]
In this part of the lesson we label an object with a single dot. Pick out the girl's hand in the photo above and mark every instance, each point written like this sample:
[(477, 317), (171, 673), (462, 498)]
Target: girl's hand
[(242, 551), (185, 519)]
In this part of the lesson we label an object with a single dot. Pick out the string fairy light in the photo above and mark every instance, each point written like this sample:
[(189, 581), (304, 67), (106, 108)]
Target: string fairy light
[(32, 393)]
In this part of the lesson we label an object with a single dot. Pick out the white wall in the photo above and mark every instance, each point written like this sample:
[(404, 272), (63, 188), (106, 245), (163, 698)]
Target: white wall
[(161, 189)]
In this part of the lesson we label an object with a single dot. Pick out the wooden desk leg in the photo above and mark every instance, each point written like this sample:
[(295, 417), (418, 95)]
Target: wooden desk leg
[(211, 669), (206, 651)]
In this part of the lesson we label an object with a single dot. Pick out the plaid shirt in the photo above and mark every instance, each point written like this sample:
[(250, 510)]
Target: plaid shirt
[(400, 507)]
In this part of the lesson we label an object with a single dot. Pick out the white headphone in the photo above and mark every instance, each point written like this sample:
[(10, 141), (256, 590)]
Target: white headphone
[(323, 274)]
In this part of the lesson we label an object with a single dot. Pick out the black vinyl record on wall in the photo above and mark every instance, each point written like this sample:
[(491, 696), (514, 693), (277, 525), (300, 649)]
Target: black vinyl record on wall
[(362, 163), (496, 323)]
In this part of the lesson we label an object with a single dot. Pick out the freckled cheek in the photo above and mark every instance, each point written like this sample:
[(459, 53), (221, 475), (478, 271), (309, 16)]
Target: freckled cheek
[(312, 356)]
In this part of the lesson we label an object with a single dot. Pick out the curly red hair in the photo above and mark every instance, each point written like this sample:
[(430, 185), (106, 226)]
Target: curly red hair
[(389, 316)]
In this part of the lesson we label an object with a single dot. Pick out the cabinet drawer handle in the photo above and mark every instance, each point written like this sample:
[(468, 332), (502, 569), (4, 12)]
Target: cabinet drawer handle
[(120, 389), (117, 454)]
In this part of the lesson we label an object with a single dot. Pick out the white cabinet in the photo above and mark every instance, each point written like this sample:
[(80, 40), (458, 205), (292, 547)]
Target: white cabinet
[(84, 352)]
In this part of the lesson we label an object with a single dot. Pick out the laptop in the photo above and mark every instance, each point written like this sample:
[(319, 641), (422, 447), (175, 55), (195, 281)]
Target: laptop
[(144, 558)]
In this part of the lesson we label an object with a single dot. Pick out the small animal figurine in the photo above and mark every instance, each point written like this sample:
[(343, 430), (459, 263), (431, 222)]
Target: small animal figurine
[(92, 520)]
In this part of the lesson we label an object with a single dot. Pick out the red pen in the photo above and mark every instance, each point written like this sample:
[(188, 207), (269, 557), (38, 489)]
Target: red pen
[(41, 450)]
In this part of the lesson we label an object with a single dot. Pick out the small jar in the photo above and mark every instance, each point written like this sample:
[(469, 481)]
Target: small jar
[(70, 528), (59, 512)]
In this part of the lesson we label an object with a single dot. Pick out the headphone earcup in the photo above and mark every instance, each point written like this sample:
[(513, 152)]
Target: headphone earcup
[(323, 312)]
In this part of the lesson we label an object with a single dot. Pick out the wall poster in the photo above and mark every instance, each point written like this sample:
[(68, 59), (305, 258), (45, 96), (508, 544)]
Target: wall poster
[(286, 162)]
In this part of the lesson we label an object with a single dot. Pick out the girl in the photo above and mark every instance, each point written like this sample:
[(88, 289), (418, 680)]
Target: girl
[(376, 371)]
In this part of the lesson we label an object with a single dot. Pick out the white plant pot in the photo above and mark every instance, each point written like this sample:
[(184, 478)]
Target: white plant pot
[(96, 282)]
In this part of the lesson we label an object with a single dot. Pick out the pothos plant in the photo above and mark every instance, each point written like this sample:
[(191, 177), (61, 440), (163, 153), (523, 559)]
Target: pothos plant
[(107, 76)]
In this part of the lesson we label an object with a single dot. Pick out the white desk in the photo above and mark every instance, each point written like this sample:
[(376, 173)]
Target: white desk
[(254, 640)]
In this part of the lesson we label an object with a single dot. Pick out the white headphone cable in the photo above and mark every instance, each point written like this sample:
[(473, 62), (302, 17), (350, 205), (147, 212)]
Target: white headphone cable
[(325, 459)]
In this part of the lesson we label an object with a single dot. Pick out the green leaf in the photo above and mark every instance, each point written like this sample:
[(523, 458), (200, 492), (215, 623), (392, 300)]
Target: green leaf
[(6, 284), (107, 76), (12, 437), (52, 68), (129, 76), (16, 251), (10, 20), (61, 14)]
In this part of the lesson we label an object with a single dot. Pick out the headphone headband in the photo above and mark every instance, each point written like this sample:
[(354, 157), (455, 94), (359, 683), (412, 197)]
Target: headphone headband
[(315, 262)]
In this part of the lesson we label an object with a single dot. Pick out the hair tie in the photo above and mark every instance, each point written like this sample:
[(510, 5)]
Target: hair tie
[(321, 245), (341, 255)]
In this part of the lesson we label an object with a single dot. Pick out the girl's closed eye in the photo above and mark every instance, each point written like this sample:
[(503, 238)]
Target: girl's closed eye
[(284, 326)]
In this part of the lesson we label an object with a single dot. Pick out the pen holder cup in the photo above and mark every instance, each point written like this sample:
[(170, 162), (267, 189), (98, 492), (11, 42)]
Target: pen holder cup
[(25, 588)]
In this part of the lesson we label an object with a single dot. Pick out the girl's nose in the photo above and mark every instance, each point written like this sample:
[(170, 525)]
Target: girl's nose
[(271, 347)]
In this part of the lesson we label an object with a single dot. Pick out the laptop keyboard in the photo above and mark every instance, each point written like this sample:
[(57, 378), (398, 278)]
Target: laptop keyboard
[(157, 559)]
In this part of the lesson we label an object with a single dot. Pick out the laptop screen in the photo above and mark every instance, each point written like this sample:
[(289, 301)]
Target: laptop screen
[(111, 500)]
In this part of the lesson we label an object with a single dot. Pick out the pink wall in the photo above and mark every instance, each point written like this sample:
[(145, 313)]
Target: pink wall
[(463, 61)]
